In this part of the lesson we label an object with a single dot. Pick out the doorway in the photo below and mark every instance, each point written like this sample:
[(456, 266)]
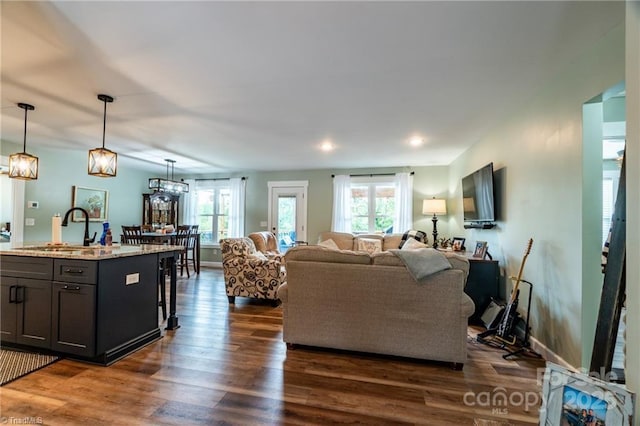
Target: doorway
[(288, 212)]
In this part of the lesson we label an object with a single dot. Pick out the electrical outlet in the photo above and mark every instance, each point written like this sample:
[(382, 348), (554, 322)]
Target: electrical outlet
[(29, 221), (263, 224)]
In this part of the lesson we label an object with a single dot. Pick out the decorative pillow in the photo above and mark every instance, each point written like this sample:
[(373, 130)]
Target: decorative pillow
[(369, 245), (420, 236), (330, 244), (413, 244), (258, 255)]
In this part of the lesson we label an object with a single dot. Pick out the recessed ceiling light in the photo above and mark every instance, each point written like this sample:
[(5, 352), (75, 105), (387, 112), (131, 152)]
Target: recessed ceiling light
[(327, 146), (416, 141)]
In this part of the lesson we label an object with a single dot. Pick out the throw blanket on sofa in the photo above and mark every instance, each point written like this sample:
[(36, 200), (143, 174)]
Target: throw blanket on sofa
[(423, 262)]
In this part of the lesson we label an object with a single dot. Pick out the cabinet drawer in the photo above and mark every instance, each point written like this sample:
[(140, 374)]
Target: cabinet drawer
[(39, 268), (75, 271)]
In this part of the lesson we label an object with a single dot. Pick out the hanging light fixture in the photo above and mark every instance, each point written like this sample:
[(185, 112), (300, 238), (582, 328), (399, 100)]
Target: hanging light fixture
[(168, 186), (23, 165), (103, 162)]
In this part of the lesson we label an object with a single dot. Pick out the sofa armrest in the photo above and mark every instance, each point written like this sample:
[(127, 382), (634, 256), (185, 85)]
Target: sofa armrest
[(283, 292)]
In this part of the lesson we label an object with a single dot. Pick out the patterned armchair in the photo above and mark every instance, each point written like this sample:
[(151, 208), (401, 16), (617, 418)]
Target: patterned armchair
[(247, 272)]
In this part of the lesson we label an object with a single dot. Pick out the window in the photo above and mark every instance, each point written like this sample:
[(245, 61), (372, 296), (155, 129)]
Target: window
[(372, 205), (609, 191), (212, 214), (217, 206)]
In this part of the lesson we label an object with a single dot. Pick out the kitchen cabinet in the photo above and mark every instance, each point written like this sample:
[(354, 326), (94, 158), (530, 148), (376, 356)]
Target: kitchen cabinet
[(73, 309), (26, 302), (157, 211)]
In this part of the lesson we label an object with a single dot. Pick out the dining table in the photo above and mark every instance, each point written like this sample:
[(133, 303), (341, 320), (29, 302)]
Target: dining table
[(170, 238)]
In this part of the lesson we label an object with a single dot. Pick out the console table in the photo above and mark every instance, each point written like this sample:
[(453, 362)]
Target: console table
[(483, 284)]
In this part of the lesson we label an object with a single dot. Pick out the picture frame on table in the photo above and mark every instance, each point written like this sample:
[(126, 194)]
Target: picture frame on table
[(94, 201), (569, 397), (457, 244), (481, 250)]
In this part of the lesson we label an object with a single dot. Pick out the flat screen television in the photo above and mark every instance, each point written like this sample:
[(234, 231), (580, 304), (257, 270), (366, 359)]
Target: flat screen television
[(477, 196)]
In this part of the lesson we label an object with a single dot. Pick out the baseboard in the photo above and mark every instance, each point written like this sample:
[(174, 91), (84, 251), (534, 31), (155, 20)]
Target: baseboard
[(548, 354), (209, 264)]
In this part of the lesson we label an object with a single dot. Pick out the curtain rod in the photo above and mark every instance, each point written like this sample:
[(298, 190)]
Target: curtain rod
[(243, 178), (374, 174)]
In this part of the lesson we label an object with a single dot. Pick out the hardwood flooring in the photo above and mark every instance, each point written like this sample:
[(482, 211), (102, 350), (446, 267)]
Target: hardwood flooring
[(228, 365)]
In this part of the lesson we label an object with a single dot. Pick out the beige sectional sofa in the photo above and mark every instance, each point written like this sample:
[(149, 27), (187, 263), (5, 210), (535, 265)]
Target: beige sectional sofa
[(355, 301)]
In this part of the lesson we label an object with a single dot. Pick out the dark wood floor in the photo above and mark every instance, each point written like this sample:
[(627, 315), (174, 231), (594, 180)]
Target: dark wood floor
[(228, 365)]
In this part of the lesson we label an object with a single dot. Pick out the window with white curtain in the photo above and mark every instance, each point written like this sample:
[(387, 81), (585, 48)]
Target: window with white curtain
[(372, 204), (217, 206)]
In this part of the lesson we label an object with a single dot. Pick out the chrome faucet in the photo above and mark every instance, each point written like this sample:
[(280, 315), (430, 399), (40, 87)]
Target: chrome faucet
[(65, 222)]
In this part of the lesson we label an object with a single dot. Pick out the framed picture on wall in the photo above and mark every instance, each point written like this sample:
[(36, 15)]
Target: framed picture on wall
[(94, 201), (480, 250)]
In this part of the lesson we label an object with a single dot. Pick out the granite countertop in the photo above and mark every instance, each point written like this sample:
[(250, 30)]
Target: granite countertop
[(78, 251)]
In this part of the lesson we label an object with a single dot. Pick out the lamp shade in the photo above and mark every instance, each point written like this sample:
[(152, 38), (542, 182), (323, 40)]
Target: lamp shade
[(434, 206), (103, 162)]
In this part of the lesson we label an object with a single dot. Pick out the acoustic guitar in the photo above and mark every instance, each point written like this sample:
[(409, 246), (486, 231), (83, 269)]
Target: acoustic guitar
[(506, 328)]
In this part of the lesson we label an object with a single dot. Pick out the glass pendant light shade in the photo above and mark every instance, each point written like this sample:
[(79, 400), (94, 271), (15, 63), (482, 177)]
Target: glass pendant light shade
[(23, 165), (170, 186), (103, 162)]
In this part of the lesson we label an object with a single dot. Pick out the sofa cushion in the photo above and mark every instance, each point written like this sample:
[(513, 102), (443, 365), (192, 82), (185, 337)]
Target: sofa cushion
[(330, 244), (369, 245), (323, 254), (343, 240), (415, 234), (386, 258), (391, 241), (412, 244)]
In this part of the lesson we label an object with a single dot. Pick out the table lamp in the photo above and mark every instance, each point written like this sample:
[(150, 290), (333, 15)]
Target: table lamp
[(435, 207)]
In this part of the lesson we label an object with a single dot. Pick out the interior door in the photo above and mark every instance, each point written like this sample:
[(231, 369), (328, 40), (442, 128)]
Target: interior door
[(288, 212)]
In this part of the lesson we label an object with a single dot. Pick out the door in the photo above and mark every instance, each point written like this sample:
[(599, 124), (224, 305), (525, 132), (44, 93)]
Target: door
[(34, 312), (73, 316), (9, 312), (288, 212)]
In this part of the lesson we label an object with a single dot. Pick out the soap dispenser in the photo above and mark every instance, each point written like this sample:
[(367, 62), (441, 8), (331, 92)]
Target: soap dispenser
[(103, 237)]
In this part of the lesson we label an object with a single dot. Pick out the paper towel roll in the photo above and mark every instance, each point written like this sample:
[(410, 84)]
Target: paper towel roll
[(56, 229)]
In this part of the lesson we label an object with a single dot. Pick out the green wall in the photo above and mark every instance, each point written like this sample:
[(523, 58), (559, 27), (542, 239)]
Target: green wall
[(58, 171), (427, 182), (538, 154)]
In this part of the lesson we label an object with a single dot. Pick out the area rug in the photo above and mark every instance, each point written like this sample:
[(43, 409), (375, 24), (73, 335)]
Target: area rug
[(15, 364)]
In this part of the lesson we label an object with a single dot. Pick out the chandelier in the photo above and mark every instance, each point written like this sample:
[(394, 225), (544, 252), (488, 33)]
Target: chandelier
[(168, 186)]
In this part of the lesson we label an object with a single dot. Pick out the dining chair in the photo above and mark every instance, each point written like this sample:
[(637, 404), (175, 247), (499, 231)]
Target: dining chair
[(131, 234), (183, 233)]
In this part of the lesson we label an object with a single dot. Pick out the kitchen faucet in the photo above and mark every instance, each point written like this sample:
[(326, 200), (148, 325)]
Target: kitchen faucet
[(65, 222)]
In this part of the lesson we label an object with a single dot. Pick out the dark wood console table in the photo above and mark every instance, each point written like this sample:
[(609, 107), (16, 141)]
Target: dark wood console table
[(483, 283)]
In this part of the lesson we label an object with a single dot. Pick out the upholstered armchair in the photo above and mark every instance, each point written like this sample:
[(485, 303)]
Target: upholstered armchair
[(247, 272), (267, 243)]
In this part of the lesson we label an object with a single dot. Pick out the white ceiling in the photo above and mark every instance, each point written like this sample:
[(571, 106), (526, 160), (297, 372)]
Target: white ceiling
[(228, 86)]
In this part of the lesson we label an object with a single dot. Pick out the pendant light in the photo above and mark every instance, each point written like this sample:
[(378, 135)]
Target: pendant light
[(23, 165), (103, 162), (162, 186)]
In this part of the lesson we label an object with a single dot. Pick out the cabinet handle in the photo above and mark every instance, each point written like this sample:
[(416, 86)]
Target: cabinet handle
[(73, 271), (12, 293), (19, 294), (66, 287)]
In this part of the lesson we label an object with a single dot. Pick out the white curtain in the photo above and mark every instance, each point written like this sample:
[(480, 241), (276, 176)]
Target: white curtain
[(236, 207), (341, 218), (189, 200), (403, 218)]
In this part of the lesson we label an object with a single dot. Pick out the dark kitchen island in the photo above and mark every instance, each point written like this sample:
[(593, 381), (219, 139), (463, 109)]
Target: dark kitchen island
[(96, 303)]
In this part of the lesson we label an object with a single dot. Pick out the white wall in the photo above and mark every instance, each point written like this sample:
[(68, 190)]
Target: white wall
[(537, 153)]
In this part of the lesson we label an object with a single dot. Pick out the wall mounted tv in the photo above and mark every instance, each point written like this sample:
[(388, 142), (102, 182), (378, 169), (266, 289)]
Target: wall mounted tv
[(477, 198)]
